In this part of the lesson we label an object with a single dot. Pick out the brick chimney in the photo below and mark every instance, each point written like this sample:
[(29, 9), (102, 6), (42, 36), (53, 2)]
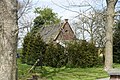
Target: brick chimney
[(66, 20)]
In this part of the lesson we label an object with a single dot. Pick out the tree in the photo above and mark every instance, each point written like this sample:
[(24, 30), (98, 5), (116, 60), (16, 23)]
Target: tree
[(8, 39), (82, 54), (33, 48), (46, 17), (54, 55), (92, 25), (110, 13), (25, 47)]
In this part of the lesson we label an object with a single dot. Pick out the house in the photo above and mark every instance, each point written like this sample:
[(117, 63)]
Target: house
[(57, 33)]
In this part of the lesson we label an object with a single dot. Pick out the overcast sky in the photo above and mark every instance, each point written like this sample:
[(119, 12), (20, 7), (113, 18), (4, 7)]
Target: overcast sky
[(55, 5)]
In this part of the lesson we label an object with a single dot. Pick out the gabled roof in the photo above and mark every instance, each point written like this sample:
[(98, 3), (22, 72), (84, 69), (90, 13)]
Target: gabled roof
[(62, 28), (51, 33)]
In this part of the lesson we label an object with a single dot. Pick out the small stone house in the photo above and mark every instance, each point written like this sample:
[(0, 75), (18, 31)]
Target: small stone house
[(57, 33)]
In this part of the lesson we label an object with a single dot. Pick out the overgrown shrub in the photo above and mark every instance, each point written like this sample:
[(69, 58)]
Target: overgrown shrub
[(54, 55), (82, 54), (25, 48), (33, 48), (116, 44), (75, 54)]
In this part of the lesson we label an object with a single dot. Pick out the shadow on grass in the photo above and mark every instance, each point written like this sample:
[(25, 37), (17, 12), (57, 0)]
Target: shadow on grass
[(70, 73), (49, 72)]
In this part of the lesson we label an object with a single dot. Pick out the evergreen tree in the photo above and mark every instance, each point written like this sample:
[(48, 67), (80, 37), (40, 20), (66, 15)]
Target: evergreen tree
[(33, 48), (54, 55), (82, 54), (116, 44), (25, 48)]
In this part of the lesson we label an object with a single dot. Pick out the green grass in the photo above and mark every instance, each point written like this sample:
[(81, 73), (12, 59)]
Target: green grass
[(23, 70), (65, 73), (73, 73), (49, 73)]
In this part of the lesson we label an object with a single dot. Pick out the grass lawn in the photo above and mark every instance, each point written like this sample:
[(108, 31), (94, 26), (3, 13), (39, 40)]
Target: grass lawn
[(63, 73), (73, 73), (49, 73)]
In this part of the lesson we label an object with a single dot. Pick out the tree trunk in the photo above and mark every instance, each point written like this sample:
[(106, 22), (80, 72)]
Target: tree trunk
[(8, 39), (109, 34)]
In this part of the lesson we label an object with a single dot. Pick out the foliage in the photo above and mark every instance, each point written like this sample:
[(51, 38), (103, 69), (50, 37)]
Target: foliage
[(33, 48), (22, 70), (54, 55), (45, 16), (76, 54), (82, 54), (116, 44), (25, 48)]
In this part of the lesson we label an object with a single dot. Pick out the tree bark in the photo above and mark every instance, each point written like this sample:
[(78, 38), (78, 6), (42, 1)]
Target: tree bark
[(8, 39), (109, 33)]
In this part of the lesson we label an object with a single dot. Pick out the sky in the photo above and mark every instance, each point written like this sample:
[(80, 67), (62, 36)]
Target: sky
[(57, 6)]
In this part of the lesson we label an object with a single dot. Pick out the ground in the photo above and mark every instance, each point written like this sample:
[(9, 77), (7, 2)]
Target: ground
[(63, 73)]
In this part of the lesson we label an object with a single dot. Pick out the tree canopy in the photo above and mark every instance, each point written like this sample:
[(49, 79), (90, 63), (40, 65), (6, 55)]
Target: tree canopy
[(46, 16)]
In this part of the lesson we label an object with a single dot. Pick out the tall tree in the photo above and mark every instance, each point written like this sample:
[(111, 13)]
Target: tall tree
[(46, 16), (8, 39), (110, 13), (92, 24)]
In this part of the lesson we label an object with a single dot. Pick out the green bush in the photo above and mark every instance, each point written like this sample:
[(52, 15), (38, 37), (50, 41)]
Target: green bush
[(54, 55), (82, 54), (25, 48), (75, 54), (33, 48), (116, 44)]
